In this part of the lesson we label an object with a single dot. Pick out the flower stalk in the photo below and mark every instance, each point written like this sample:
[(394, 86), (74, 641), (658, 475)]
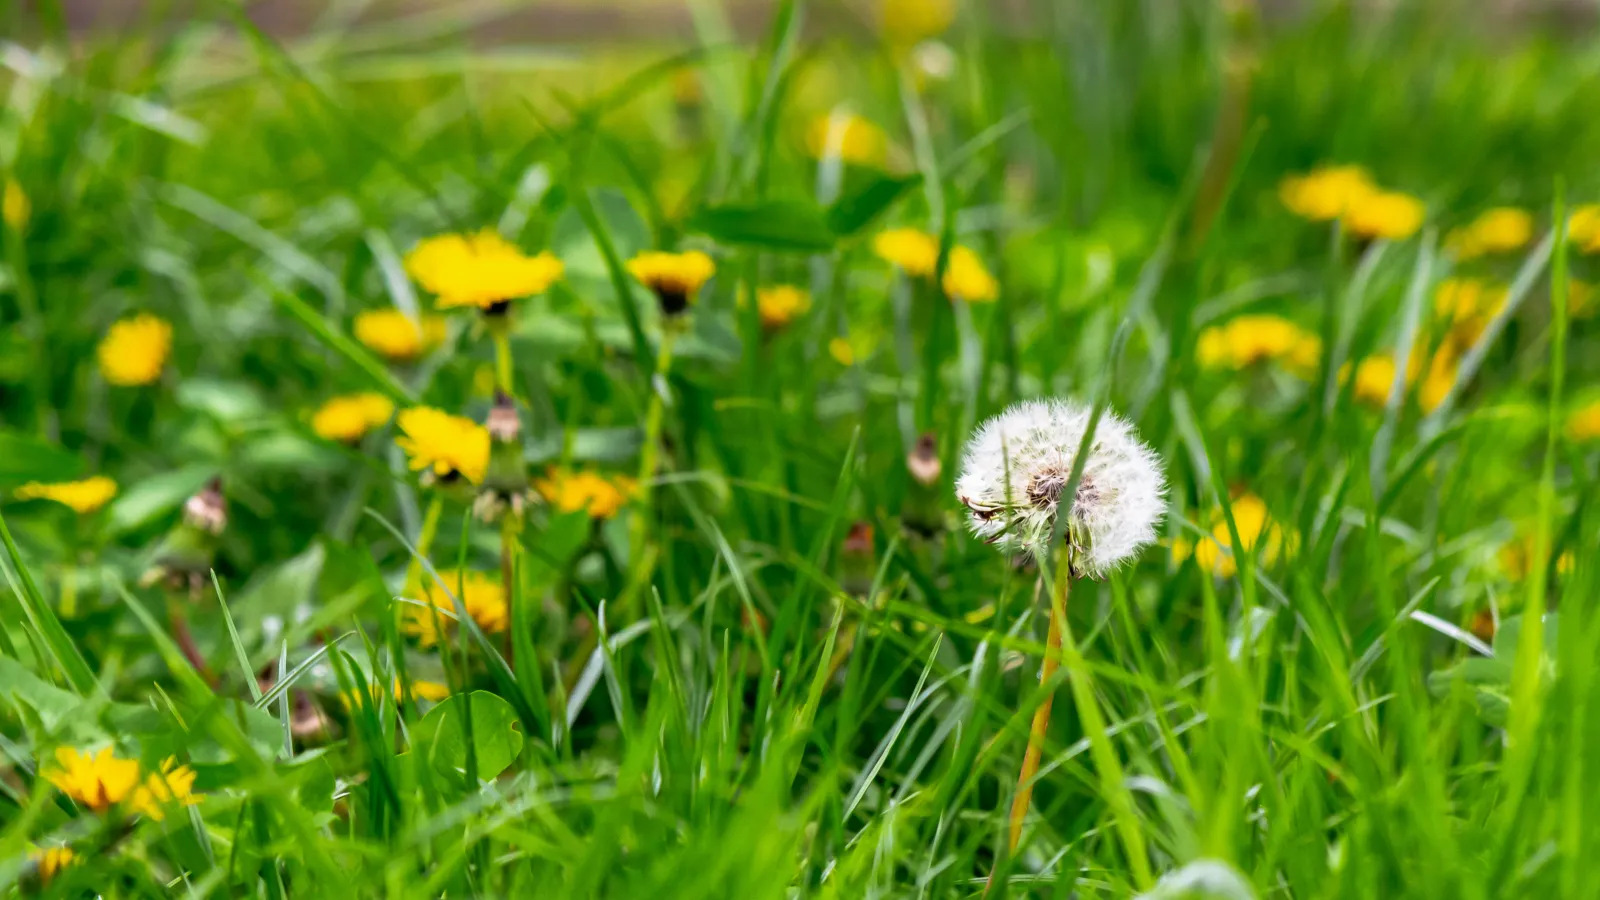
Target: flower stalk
[(1061, 586)]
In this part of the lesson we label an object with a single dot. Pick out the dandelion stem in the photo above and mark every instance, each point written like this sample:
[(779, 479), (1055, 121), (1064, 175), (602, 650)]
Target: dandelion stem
[(1041, 717), (508, 548), (502, 358), (648, 453), (430, 528)]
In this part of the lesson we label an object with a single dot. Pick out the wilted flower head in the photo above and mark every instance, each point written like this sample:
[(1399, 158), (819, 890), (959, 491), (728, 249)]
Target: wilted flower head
[(443, 445), (82, 497), (396, 336), (1019, 462), (674, 278), (134, 351), (98, 781), (848, 136), (966, 278), (482, 270), (348, 418)]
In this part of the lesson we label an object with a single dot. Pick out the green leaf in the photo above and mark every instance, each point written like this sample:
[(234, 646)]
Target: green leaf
[(22, 686), (151, 497), (441, 736), (774, 225), (856, 210), (24, 458)]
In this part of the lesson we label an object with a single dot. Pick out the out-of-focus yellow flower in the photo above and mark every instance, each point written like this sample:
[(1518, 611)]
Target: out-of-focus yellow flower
[(1246, 340), (50, 861), (1583, 228), (1581, 299), (965, 278), (674, 278), (482, 596), (15, 209), (586, 490), (483, 270), (1325, 193), (1498, 230), (1384, 215), (134, 351), (1375, 376), (347, 419), (396, 336), (98, 781), (1465, 306), (1583, 424), (432, 691), (1518, 557), (83, 497), (1214, 554), (442, 444), (914, 252), (841, 351), (848, 136), (780, 304), (906, 22), (172, 786)]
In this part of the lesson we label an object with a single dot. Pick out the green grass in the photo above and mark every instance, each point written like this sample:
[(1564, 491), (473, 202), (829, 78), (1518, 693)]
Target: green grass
[(715, 693)]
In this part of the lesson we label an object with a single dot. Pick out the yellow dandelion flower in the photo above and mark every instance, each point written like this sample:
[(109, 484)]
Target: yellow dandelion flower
[(83, 497), (1584, 422), (965, 278), (847, 136), (134, 351), (50, 861), (14, 207), (481, 595), (780, 304), (420, 690), (1214, 554), (442, 444), (1375, 376), (347, 419), (1518, 557), (914, 252), (98, 781), (1325, 193), (907, 22), (675, 278), (586, 490), (1581, 299), (1384, 215), (1246, 340), (1583, 228), (172, 786), (1465, 306), (396, 336), (842, 352), (1498, 230), (482, 270)]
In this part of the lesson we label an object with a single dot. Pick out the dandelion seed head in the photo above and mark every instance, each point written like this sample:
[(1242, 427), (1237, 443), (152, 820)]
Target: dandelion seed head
[(1018, 464)]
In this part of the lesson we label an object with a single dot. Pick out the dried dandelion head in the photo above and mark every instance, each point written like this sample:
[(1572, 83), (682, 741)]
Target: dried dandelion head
[(1018, 464)]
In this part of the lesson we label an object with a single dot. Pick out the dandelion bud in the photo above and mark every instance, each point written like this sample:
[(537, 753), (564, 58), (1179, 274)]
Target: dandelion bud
[(207, 510), (923, 512), (505, 483), (1018, 464), (855, 560), (185, 554), (923, 460)]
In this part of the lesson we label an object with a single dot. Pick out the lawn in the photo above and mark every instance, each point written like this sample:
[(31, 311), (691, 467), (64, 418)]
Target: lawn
[(437, 460)]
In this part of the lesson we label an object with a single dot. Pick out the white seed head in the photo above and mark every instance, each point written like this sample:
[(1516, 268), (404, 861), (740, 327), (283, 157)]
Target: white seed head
[(1019, 462)]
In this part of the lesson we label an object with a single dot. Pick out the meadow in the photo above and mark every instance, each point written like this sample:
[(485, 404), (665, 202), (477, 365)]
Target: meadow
[(437, 461)]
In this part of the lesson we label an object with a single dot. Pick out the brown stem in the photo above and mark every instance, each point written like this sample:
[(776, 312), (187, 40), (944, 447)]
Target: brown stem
[(185, 639), (1041, 716)]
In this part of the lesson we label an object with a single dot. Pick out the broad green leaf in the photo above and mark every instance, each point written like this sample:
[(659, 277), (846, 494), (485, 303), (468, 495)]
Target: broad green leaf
[(774, 225), (441, 736), (856, 210), (150, 498), (24, 458)]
